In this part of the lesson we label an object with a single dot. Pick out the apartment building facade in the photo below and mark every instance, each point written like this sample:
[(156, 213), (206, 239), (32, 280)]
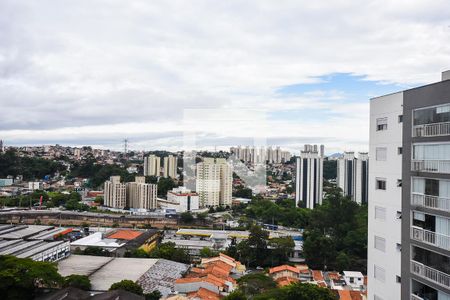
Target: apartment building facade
[(152, 165), (409, 205), (309, 177), (353, 176), (214, 179), (170, 166), (141, 195), (115, 193)]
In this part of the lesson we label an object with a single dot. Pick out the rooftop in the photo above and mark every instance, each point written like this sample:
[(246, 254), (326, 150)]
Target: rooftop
[(125, 234)]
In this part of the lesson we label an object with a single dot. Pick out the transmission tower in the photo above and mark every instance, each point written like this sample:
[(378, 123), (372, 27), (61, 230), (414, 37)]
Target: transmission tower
[(125, 148)]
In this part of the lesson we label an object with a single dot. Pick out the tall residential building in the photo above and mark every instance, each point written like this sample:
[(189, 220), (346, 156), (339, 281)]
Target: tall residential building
[(152, 165), (309, 177), (141, 195), (115, 193), (170, 166), (353, 176), (409, 194), (1, 146), (214, 182)]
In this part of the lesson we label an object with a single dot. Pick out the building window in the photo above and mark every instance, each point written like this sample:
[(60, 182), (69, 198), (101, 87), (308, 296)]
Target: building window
[(379, 273), (380, 213), (380, 184), (399, 182), (381, 124), (400, 118), (381, 153), (398, 246), (380, 243), (398, 279), (400, 150)]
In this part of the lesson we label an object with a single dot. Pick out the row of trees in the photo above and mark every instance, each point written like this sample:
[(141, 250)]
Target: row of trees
[(259, 250), (335, 235), (262, 287), (30, 167)]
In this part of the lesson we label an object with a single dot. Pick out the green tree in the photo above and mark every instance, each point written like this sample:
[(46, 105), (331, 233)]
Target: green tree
[(171, 252), (186, 217), (165, 185), (127, 285), (253, 284), (280, 250), (319, 251), (136, 253), (298, 291), (207, 252), (22, 278), (95, 251), (236, 295), (155, 295), (78, 281)]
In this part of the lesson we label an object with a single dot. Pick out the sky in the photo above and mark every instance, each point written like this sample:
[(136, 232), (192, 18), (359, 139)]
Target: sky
[(210, 74)]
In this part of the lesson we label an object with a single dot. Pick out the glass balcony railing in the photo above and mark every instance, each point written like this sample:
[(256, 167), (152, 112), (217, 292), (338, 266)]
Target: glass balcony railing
[(431, 274), (430, 237), (434, 202), (415, 297), (432, 166)]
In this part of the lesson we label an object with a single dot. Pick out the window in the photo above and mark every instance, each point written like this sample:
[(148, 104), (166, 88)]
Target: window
[(380, 243), (398, 246), (399, 214), (400, 118), (399, 182), (398, 279), (400, 150), (380, 184), (381, 124), (380, 213), (380, 153), (379, 273)]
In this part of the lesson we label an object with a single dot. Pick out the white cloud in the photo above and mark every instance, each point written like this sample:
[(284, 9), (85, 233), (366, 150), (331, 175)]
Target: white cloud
[(80, 71)]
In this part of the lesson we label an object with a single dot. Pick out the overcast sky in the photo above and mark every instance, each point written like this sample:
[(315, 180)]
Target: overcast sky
[(227, 72)]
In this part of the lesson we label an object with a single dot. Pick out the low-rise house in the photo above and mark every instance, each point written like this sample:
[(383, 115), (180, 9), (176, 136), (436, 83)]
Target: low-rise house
[(354, 279), (284, 271)]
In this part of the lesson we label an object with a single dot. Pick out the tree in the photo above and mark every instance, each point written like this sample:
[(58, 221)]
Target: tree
[(207, 252), (22, 278), (136, 253), (329, 169), (280, 250), (95, 251), (165, 185), (254, 284), (236, 295), (155, 295), (78, 281), (319, 251), (127, 285), (170, 252), (298, 291), (186, 217)]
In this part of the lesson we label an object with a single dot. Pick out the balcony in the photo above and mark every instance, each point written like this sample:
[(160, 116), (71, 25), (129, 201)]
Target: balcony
[(428, 201), (431, 274), (435, 129), (430, 237), (415, 297), (431, 166)]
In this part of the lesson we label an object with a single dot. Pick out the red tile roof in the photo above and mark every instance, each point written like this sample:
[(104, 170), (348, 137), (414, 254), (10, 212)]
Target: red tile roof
[(282, 281), (125, 234), (317, 275), (204, 294), (284, 268)]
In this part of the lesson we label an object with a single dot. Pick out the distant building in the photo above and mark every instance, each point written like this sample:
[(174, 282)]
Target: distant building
[(6, 182), (353, 176), (214, 182), (181, 199), (170, 166), (35, 185), (152, 165), (309, 177), (115, 193), (354, 279), (141, 195), (1, 146)]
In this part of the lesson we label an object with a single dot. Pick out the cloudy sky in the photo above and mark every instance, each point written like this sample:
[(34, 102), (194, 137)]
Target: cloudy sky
[(92, 72)]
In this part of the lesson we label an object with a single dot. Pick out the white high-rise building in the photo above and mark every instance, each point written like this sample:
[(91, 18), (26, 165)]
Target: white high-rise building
[(141, 195), (353, 176), (214, 182), (309, 177), (409, 194), (152, 165), (170, 166), (115, 193)]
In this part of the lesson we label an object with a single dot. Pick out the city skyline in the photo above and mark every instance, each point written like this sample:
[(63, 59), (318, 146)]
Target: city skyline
[(131, 70)]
